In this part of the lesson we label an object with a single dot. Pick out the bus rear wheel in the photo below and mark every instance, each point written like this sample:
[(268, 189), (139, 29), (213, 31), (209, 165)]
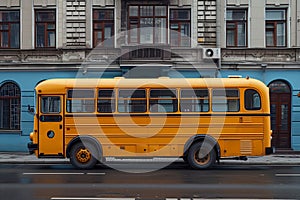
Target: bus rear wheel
[(201, 156), (83, 156)]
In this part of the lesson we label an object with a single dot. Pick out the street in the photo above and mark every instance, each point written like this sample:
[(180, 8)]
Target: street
[(177, 181)]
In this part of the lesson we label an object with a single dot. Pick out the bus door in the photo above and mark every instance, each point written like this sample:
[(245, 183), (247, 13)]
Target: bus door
[(51, 123)]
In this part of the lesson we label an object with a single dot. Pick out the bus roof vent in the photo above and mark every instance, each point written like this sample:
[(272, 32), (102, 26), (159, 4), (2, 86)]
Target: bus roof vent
[(234, 76)]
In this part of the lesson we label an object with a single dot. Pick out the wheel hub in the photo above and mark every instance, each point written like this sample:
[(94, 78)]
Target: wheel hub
[(83, 155), (201, 158)]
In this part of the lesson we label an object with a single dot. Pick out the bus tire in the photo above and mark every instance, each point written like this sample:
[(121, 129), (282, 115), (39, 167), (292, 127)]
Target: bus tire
[(83, 155), (201, 156)]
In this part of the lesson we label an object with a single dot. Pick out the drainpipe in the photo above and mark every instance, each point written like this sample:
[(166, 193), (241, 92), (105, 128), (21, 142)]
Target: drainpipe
[(218, 34), (297, 22)]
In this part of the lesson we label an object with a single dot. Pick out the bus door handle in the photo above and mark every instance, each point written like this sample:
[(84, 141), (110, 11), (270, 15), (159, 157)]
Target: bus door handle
[(60, 126)]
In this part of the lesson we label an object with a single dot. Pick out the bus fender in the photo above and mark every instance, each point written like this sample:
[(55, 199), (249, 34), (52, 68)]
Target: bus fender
[(85, 139), (200, 138)]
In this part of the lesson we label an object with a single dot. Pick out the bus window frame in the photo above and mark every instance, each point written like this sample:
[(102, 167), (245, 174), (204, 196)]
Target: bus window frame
[(42, 103), (111, 100), (161, 100), (83, 101), (130, 103), (245, 99), (224, 100), (200, 102)]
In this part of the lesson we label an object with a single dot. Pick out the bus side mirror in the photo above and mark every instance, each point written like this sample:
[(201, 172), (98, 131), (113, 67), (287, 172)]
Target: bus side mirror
[(30, 109)]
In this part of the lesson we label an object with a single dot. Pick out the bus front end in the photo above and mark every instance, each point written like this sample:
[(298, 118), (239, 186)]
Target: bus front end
[(33, 136), (33, 146)]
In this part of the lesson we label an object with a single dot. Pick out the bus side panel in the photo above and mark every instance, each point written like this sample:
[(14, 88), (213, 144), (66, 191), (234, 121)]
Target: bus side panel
[(166, 136), (242, 136), (155, 135)]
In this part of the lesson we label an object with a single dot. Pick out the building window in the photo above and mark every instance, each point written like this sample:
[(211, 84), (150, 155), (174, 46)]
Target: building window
[(10, 105), (103, 27), (147, 24), (9, 29), (276, 28), (236, 28), (180, 25), (45, 28)]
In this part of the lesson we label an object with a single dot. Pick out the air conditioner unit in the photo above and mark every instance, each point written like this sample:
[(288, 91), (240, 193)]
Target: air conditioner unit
[(211, 53)]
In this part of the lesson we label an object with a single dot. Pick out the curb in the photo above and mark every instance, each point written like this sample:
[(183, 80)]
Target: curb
[(222, 163), (275, 159)]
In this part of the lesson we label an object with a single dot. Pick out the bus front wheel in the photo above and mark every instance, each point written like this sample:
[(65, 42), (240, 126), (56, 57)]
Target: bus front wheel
[(201, 156), (83, 155)]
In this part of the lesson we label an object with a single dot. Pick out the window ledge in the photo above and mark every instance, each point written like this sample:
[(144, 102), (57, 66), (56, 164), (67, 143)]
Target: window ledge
[(17, 132)]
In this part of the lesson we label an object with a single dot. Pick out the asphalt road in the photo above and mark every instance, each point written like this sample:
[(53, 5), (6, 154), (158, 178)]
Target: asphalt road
[(177, 181)]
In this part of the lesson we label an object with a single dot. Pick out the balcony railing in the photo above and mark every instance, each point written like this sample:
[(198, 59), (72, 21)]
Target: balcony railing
[(142, 52)]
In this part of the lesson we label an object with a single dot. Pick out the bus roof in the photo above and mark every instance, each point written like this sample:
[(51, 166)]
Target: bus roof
[(56, 86)]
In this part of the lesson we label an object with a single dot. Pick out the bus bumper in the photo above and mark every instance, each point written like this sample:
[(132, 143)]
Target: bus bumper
[(270, 150), (32, 147)]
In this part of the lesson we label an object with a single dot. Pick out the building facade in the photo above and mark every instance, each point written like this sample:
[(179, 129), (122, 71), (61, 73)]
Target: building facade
[(261, 39), (43, 39)]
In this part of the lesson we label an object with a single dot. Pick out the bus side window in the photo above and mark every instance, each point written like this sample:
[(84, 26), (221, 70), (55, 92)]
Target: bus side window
[(196, 100), (226, 100), (80, 101), (163, 100), (252, 100), (106, 101), (132, 101)]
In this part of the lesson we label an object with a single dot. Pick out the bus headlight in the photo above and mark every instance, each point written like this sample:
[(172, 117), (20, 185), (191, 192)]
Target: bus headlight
[(31, 135)]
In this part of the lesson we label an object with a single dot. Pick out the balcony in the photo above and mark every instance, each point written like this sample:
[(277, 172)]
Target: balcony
[(145, 53)]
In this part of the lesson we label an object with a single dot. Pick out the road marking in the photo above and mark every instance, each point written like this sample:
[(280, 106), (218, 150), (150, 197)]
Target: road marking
[(80, 173), (53, 173), (83, 198), (288, 175), (95, 173)]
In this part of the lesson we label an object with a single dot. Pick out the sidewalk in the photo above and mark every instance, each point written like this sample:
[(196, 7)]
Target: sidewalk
[(26, 158), (275, 159)]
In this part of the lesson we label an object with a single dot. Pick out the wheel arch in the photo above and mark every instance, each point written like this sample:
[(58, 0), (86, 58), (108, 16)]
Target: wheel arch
[(200, 138), (83, 139)]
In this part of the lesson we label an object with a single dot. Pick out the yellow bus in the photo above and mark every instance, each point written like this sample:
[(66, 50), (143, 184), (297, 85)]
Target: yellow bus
[(201, 120)]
